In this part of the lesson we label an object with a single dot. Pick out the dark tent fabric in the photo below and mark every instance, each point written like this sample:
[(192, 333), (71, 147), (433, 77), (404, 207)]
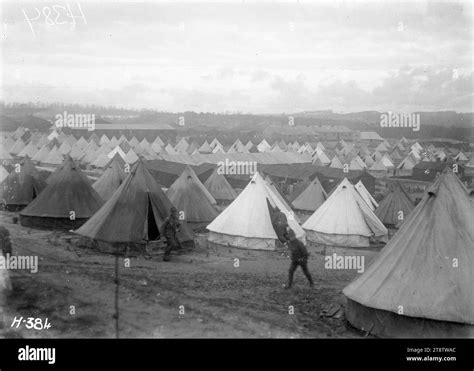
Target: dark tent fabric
[(311, 198), (421, 284), (166, 172), (298, 188), (66, 203), (395, 207), (135, 212), (110, 180), (20, 188), (219, 187), (117, 158), (190, 196)]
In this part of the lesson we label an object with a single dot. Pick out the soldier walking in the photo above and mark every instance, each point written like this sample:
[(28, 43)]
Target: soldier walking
[(299, 257), (170, 229)]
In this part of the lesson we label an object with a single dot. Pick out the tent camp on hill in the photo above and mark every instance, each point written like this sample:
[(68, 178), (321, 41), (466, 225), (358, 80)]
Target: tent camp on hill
[(134, 214), (345, 219), (190, 196), (311, 198), (21, 186), (421, 284), (219, 188), (395, 207), (111, 179), (247, 222), (66, 203)]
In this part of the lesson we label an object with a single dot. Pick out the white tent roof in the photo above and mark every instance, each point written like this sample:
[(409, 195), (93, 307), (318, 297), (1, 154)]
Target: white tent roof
[(345, 213), (116, 150), (248, 215), (336, 163)]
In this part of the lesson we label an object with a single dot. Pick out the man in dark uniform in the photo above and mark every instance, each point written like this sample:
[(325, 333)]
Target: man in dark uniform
[(170, 229), (280, 224), (5, 243), (299, 257)]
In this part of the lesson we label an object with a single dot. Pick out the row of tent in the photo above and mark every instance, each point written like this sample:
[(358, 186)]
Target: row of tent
[(72, 191), (97, 152), (21, 187), (420, 283)]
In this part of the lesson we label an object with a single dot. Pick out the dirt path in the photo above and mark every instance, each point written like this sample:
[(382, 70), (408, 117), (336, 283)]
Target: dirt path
[(201, 293)]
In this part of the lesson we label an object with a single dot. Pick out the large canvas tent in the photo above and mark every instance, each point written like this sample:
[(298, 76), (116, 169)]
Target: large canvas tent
[(219, 187), (190, 196), (21, 186), (247, 222), (345, 219), (421, 285), (134, 214), (311, 198), (111, 179), (66, 203), (395, 207)]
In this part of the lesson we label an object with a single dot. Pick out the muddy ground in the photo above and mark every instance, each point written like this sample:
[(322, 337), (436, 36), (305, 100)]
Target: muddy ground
[(199, 294)]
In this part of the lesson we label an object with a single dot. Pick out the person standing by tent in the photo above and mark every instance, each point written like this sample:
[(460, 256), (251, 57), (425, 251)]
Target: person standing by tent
[(280, 224), (170, 230), (5, 243), (299, 257)]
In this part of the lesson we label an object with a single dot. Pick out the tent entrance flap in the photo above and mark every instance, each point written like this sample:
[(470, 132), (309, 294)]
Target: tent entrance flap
[(152, 231)]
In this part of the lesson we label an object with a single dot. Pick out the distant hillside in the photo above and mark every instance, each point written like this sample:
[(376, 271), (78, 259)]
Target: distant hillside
[(447, 124), (442, 118)]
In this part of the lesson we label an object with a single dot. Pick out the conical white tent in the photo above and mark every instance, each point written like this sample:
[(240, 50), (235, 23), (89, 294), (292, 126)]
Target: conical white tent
[(205, 148), (246, 222), (131, 157), (158, 141), (263, 146), (104, 139), (116, 150), (41, 154), (134, 141), (215, 143), (181, 146), (65, 148), (344, 220), (336, 163), (54, 157), (322, 156), (170, 149)]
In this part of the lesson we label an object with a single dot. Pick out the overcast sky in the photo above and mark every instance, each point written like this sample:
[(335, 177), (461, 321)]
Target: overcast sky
[(243, 57)]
